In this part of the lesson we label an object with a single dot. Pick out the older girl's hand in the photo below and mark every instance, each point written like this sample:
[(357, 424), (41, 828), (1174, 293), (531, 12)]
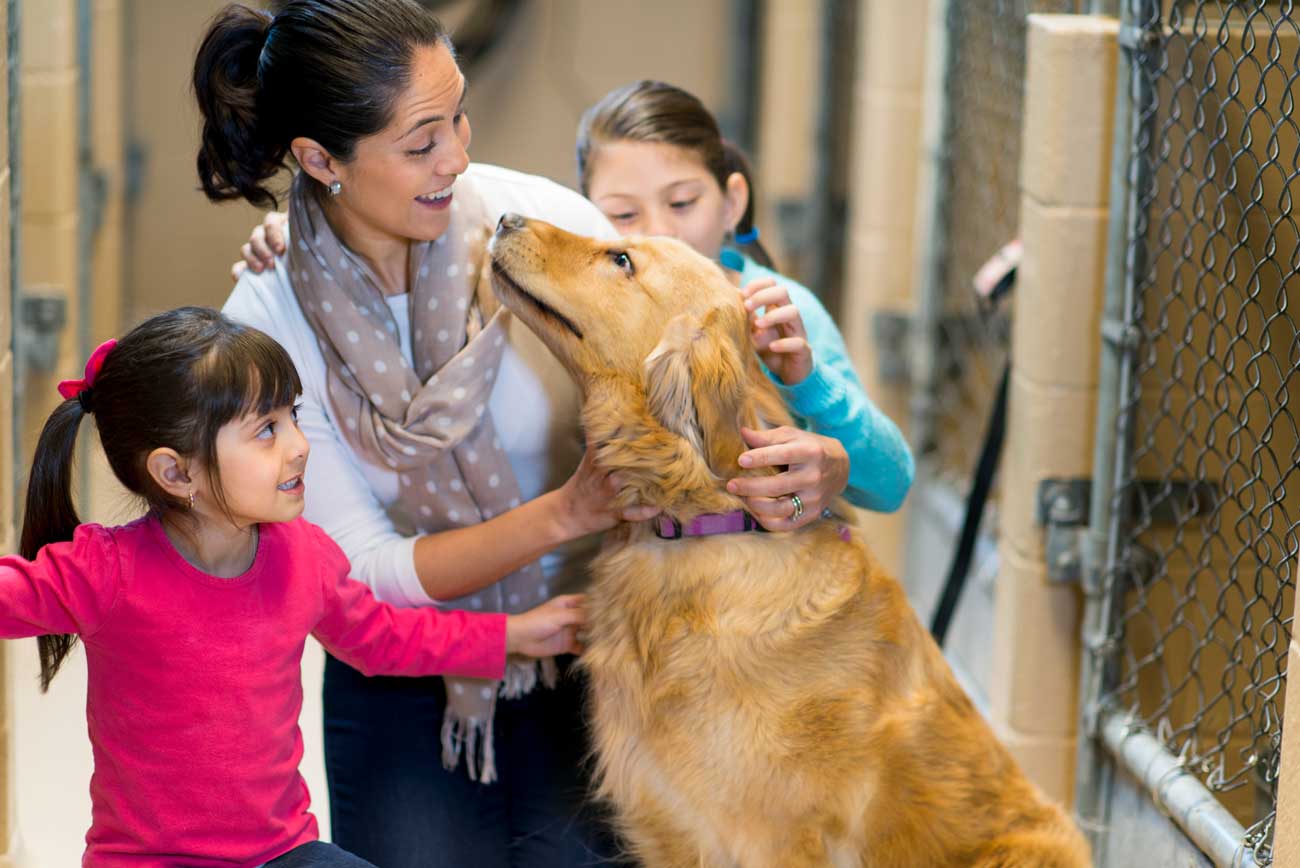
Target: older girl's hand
[(264, 244), (816, 469), (586, 500), (778, 332)]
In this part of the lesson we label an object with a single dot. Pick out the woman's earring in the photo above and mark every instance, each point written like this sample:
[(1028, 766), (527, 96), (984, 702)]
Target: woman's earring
[(191, 499), (336, 187)]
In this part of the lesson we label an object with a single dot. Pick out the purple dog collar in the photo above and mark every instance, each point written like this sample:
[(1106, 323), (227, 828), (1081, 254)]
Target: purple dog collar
[(708, 524)]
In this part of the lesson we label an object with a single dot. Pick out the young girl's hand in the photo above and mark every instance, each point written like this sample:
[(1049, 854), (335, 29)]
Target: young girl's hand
[(550, 629), (264, 244), (778, 332), (816, 469)]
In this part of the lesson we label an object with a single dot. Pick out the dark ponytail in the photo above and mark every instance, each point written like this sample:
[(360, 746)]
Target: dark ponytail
[(746, 232), (328, 70), (236, 155), (50, 515), (174, 381), (654, 111)]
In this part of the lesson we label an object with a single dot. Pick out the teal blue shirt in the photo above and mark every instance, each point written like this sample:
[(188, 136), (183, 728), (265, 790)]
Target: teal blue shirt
[(832, 402)]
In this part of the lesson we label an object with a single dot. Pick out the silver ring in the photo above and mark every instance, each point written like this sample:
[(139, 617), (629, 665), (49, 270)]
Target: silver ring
[(798, 507)]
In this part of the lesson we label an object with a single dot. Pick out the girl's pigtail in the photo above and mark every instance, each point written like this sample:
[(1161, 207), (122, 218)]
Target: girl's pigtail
[(50, 515), (746, 232)]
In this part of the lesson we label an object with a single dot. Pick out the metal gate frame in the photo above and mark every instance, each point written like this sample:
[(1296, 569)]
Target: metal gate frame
[(1111, 739)]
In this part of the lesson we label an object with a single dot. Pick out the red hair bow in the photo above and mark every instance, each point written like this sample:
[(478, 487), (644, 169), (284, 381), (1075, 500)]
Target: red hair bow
[(73, 388)]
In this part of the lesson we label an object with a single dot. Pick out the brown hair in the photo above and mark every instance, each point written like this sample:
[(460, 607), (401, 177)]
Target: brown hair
[(173, 381), (653, 111), (326, 69)]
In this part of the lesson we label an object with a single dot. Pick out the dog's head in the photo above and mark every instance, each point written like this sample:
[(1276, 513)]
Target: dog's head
[(645, 324)]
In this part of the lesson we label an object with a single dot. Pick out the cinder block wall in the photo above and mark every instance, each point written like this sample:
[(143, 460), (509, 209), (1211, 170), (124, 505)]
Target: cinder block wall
[(886, 151), (48, 78), (1064, 176), (787, 119), (1286, 832), (8, 524)]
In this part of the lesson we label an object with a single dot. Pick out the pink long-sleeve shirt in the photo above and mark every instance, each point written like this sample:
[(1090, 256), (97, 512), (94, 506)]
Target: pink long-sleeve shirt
[(195, 684)]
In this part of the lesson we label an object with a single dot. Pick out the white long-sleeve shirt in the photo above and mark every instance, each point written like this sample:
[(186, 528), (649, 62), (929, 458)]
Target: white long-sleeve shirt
[(534, 403)]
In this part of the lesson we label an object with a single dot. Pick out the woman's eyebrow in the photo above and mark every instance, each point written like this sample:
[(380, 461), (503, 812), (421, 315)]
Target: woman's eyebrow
[(433, 119)]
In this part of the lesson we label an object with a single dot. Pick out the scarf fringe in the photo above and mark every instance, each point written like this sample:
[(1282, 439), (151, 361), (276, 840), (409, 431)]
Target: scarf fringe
[(472, 736), (522, 676), (468, 736)]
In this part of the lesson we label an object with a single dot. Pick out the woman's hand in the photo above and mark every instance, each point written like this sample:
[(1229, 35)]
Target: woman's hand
[(550, 629), (264, 244), (586, 500), (816, 469), (778, 333)]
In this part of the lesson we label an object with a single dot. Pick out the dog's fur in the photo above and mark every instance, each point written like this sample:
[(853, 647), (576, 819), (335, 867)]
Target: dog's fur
[(759, 700)]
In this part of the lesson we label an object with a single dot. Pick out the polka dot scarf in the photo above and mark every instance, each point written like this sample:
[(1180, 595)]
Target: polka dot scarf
[(427, 420)]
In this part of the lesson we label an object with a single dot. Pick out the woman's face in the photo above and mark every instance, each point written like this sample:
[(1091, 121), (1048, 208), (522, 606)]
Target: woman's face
[(400, 181), (653, 188)]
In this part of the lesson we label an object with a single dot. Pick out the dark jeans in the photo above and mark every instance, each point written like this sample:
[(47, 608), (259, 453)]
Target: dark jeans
[(318, 854), (392, 802)]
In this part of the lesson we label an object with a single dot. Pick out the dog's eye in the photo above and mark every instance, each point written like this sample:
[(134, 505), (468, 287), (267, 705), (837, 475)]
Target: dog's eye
[(622, 260)]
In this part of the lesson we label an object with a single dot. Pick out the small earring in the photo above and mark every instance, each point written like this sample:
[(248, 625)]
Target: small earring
[(336, 187), (191, 500)]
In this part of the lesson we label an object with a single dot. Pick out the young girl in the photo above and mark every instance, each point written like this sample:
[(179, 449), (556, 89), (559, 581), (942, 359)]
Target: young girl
[(194, 617), (652, 158)]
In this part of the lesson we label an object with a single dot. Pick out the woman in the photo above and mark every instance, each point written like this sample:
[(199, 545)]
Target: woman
[(441, 433)]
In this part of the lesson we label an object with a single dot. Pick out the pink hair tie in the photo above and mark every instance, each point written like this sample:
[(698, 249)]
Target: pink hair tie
[(77, 388)]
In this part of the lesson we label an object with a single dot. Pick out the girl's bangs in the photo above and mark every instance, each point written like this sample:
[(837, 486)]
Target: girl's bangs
[(248, 372)]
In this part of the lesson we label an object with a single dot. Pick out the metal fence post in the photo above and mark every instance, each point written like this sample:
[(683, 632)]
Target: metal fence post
[(1115, 362)]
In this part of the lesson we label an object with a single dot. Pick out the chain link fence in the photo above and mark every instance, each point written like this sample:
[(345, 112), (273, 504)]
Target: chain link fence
[(978, 195), (1199, 575)]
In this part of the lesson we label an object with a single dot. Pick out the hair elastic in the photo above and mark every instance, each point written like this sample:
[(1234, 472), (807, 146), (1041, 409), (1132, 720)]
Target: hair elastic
[(81, 389)]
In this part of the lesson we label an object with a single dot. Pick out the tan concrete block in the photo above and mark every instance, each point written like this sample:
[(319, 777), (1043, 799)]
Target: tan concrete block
[(1048, 762), (893, 44), (48, 30), (1056, 332), (107, 78), (886, 163), (4, 101), (1069, 108), (1035, 682), (1286, 835), (49, 141), (8, 521), (788, 115), (880, 270), (50, 252), (6, 302), (1049, 436)]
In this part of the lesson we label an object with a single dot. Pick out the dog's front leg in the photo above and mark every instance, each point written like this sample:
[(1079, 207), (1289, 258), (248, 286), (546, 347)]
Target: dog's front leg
[(658, 841)]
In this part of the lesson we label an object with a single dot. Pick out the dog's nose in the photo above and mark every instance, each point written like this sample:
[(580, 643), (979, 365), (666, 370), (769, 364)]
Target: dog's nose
[(509, 223)]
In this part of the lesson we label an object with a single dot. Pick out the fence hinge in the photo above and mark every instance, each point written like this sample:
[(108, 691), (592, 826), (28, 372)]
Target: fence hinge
[(1064, 506), (1120, 334), (890, 332), (1063, 511), (1136, 38), (41, 316)]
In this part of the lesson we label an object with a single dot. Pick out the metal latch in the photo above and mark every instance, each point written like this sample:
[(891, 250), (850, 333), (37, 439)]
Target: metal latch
[(1064, 506), (1063, 510), (41, 318)]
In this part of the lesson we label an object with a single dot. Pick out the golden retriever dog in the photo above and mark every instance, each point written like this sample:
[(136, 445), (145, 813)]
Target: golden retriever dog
[(765, 700)]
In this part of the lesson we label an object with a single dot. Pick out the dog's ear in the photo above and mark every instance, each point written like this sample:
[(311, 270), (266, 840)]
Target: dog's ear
[(695, 384)]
